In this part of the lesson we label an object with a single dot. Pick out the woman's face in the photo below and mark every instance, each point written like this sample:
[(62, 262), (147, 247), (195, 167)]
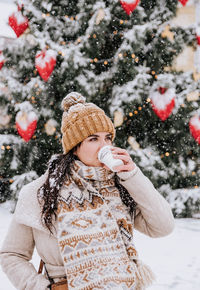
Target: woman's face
[(87, 152)]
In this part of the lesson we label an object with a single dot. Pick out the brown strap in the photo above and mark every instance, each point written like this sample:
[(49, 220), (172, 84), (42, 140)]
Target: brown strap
[(40, 267), (42, 264)]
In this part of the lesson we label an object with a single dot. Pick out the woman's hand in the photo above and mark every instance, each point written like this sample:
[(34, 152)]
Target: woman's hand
[(119, 153)]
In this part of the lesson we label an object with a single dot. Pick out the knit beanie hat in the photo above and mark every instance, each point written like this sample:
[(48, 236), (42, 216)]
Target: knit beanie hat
[(80, 120)]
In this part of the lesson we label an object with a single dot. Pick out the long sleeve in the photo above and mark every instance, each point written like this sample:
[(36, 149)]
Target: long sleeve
[(153, 214), (15, 255)]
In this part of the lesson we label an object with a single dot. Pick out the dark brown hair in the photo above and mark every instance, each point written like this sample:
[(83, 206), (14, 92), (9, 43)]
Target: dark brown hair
[(59, 168)]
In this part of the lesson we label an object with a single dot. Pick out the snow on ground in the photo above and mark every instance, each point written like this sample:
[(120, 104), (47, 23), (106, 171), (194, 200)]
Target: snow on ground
[(175, 259)]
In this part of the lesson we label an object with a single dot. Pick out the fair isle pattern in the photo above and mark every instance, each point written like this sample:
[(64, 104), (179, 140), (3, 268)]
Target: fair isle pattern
[(95, 232)]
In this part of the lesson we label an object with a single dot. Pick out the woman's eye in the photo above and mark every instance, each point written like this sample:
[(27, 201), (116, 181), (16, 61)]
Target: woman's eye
[(93, 139)]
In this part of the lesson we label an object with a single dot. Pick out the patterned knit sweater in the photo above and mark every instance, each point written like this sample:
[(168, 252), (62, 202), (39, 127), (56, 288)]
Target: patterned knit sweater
[(95, 232)]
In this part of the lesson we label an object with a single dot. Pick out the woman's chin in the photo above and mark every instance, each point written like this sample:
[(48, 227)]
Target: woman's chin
[(98, 164), (94, 164)]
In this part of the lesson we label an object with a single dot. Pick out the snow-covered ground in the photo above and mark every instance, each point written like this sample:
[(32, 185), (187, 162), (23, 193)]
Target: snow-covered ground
[(175, 259)]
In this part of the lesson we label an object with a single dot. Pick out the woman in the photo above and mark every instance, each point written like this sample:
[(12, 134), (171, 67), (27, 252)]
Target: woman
[(80, 216)]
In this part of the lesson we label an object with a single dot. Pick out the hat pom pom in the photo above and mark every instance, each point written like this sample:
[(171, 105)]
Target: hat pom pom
[(72, 99)]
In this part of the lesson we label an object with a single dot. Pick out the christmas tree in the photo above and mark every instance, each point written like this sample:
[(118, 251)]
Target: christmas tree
[(119, 55)]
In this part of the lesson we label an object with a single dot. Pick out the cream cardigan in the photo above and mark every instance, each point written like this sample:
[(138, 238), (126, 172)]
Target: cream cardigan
[(153, 218)]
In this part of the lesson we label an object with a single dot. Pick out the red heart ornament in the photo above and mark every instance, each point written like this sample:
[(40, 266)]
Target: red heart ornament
[(198, 35), (18, 23), (45, 62), (183, 2), (129, 5), (163, 102), (194, 126), (26, 124), (1, 59)]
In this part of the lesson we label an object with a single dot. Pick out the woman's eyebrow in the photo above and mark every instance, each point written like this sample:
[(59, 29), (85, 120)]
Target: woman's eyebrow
[(96, 135)]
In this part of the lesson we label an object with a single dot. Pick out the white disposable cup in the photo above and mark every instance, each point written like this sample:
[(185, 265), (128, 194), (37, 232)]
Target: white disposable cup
[(105, 156)]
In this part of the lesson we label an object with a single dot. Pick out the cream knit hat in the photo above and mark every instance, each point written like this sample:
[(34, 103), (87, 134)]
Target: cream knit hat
[(80, 120)]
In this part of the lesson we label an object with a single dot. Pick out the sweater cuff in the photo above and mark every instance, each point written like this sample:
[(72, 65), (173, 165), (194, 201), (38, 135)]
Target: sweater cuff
[(125, 175)]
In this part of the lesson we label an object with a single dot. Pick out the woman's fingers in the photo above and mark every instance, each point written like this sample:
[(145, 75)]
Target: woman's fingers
[(119, 150), (119, 153), (124, 158), (122, 154)]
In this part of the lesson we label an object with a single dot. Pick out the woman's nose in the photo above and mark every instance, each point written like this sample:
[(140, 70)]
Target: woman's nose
[(103, 143)]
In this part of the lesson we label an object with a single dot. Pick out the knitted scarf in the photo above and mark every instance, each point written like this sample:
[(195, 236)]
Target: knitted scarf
[(95, 234)]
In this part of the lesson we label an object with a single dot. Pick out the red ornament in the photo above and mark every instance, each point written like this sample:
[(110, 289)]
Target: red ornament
[(183, 2), (45, 62), (1, 59), (198, 35), (162, 90), (26, 124), (18, 23), (163, 102), (194, 126), (129, 5)]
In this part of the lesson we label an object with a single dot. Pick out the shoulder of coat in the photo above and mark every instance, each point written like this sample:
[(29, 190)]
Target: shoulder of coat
[(28, 210), (32, 187)]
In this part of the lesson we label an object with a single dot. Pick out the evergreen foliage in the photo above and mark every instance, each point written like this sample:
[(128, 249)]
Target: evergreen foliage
[(118, 62)]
